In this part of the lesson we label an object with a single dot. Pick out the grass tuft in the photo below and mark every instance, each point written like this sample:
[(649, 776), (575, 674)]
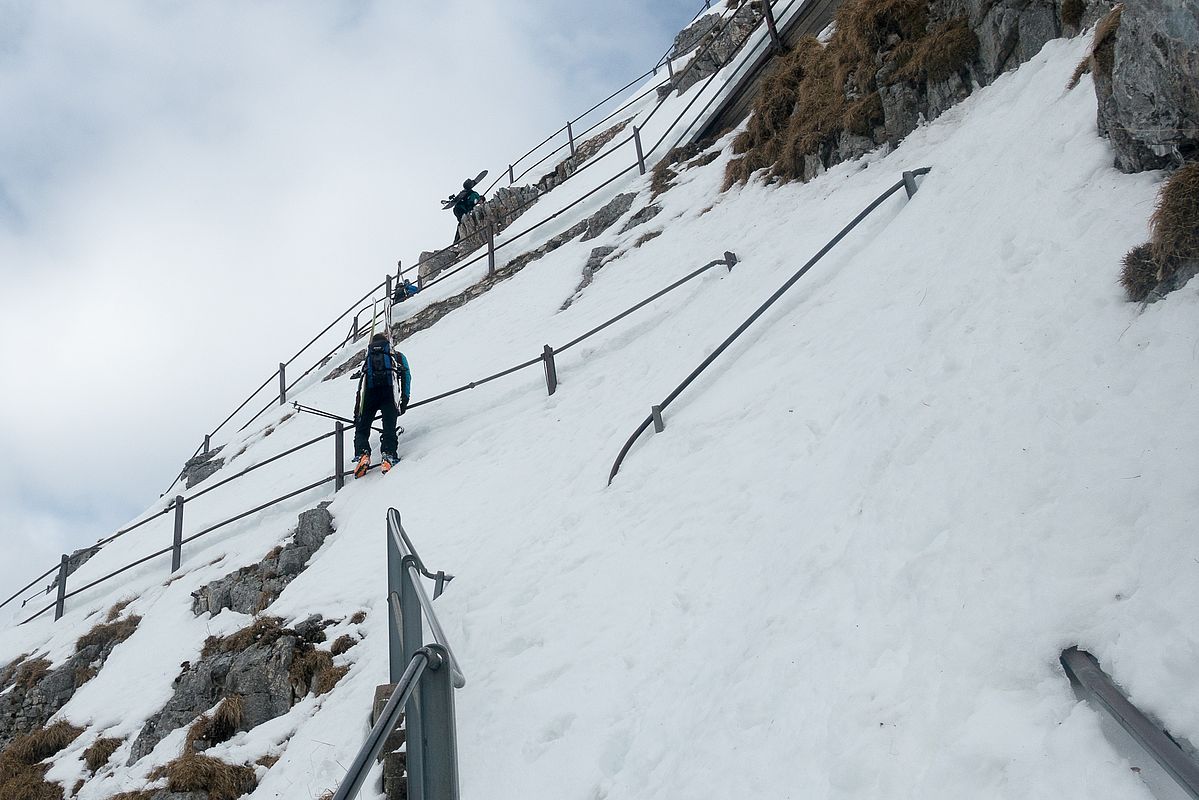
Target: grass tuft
[(358, 618), (342, 644), (263, 630), (1175, 221), (98, 753), (21, 775), (196, 773), (108, 633), (1139, 274), (117, 608)]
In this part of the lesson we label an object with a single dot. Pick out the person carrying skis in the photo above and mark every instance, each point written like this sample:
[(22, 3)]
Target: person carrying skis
[(463, 203), (383, 388)]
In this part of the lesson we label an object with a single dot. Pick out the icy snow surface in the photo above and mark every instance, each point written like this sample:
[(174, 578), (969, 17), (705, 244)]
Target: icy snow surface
[(847, 567)]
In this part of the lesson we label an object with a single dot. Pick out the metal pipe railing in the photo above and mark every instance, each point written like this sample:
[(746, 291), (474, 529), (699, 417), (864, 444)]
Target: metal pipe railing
[(655, 416), (393, 712), (1083, 669), (399, 539)]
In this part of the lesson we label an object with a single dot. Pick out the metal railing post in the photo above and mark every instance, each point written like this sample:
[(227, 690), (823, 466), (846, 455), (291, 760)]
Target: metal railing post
[(909, 184), (640, 154), (511, 178), (656, 413), (571, 133), (387, 282), (282, 384), (670, 66), (730, 259), (551, 369), (177, 545), (440, 741), (775, 39), (207, 442), (339, 456), (410, 636), (62, 587), (491, 249), (354, 329)]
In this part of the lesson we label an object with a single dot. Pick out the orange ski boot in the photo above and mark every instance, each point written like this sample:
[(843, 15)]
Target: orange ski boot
[(364, 463)]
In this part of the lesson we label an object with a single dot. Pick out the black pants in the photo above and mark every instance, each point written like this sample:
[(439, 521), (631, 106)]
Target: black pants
[(378, 399)]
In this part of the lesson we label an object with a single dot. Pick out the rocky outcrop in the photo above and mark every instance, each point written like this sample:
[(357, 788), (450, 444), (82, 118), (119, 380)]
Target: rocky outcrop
[(606, 217), (497, 213), (31, 692), (1147, 85), (584, 151), (350, 365), (251, 589), (74, 562), (202, 466), (885, 69), (641, 217), (690, 37), (718, 46), (267, 666)]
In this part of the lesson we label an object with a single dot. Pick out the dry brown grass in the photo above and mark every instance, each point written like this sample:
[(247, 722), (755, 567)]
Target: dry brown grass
[(1175, 221), (108, 633), (1139, 273), (267, 761), (21, 774), (99, 751), (358, 617), (342, 644), (945, 50), (306, 666), (117, 608), (326, 679), (1103, 48), (197, 773), (220, 726), (84, 674), (263, 630), (819, 91), (31, 672), (138, 795), (1072, 11)]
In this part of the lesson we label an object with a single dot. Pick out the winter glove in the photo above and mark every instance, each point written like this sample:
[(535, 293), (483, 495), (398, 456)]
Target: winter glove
[(403, 405)]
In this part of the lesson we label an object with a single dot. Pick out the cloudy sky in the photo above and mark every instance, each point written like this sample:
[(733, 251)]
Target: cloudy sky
[(191, 190)]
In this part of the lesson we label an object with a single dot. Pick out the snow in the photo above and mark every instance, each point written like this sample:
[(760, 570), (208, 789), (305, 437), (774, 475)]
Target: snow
[(848, 565)]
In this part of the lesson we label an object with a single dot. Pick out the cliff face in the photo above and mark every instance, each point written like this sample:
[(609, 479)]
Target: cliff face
[(1148, 88)]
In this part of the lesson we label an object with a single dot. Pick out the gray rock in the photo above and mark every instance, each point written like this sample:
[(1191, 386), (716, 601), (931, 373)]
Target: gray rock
[(74, 562), (643, 216), (350, 365), (260, 672), (584, 151), (901, 110), (498, 212), (432, 264), (1149, 107), (251, 589), (606, 217), (202, 466), (30, 703), (726, 44), (940, 96), (688, 38)]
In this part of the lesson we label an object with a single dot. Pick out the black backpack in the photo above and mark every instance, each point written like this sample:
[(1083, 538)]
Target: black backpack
[(380, 365)]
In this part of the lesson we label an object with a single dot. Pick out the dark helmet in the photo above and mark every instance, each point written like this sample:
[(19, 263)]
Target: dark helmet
[(468, 184)]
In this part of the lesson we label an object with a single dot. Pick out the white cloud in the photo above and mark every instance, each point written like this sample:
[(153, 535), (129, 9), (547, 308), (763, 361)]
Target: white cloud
[(189, 191)]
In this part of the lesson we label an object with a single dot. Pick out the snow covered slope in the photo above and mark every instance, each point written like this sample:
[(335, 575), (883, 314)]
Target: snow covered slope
[(847, 567)]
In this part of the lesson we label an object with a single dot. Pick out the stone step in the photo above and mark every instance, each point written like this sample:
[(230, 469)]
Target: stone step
[(395, 776)]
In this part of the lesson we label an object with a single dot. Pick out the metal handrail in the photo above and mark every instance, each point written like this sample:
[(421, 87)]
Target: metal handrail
[(908, 182), (1083, 669), (441, 578), (395, 529), (387, 722)]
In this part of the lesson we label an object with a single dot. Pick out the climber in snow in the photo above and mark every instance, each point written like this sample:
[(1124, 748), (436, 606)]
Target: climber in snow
[(464, 202), (383, 388)]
